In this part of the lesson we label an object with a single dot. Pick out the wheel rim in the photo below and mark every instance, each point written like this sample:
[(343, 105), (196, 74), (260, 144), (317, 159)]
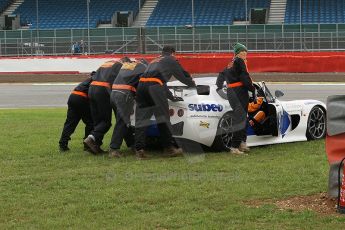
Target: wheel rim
[(225, 126), (317, 123)]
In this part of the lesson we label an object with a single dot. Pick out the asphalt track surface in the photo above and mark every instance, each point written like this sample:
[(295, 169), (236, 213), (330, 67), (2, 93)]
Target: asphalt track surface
[(46, 95)]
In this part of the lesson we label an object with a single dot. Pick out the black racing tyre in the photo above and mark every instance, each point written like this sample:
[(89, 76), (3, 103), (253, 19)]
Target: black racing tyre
[(222, 141), (316, 127)]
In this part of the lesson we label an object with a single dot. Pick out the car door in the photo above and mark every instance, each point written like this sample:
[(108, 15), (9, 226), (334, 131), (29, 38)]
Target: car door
[(280, 126), (279, 120)]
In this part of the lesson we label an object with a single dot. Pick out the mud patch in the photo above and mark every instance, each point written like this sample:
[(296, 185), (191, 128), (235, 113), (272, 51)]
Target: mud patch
[(318, 203)]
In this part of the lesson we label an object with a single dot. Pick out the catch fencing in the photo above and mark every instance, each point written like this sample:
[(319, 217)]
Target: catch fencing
[(202, 39)]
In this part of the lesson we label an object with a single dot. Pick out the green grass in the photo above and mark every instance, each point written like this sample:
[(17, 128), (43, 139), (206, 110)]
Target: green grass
[(41, 188)]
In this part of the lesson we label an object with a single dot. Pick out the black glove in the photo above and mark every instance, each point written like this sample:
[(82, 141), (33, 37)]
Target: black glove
[(254, 98), (176, 99), (192, 85)]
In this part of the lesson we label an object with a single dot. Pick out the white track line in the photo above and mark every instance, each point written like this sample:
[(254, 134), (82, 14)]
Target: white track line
[(307, 83), (276, 83), (268, 83), (58, 84), (328, 84)]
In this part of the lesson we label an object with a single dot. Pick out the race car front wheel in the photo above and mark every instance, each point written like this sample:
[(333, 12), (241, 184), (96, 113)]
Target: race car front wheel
[(222, 141), (316, 128)]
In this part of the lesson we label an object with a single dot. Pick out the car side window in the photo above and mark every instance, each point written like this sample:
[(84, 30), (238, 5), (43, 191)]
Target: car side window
[(268, 95)]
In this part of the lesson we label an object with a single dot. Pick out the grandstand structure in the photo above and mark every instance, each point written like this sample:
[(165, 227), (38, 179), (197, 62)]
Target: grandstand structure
[(72, 13), (35, 27), (215, 12), (315, 11)]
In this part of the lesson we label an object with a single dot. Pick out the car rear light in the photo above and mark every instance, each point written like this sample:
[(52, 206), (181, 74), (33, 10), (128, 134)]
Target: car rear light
[(180, 112), (171, 112)]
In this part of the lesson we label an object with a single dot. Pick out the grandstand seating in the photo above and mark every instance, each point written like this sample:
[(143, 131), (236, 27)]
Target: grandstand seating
[(315, 11), (207, 12), (72, 13), (4, 4)]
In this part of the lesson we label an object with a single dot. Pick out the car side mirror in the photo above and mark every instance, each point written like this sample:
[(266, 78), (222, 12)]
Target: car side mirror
[(278, 93)]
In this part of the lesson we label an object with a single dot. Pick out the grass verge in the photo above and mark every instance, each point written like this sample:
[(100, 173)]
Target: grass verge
[(42, 188)]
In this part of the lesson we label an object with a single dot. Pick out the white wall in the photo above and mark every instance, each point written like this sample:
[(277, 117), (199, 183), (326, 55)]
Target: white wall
[(59, 64)]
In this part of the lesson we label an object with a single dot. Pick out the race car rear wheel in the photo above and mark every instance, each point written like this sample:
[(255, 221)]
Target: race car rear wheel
[(222, 141), (316, 128)]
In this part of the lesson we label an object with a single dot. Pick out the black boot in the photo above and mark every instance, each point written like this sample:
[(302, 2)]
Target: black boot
[(140, 154), (63, 148), (93, 147), (91, 144), (173, 152)]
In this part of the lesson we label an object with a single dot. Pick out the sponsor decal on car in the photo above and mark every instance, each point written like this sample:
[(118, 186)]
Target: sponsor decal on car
[(204, 116), (198, 116), (205, 107), (204, 124)]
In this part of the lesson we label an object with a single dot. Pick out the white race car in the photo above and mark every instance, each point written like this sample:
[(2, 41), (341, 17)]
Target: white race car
[(204, 117)]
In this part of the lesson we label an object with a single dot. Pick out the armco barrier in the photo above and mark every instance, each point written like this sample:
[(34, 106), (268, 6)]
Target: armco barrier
[(303, 62), (269, 62)]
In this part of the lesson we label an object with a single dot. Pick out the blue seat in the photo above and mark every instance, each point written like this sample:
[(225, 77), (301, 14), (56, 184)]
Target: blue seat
[(207, 12), (4, 4), (72, 11), (332, 11)]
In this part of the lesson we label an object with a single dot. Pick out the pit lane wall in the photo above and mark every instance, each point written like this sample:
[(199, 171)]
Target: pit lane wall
[(303, 62)]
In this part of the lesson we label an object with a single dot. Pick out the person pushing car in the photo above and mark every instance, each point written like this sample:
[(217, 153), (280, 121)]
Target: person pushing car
[(122, 101), (239, 84), (152, 99), (78, 109), (99, 94)]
